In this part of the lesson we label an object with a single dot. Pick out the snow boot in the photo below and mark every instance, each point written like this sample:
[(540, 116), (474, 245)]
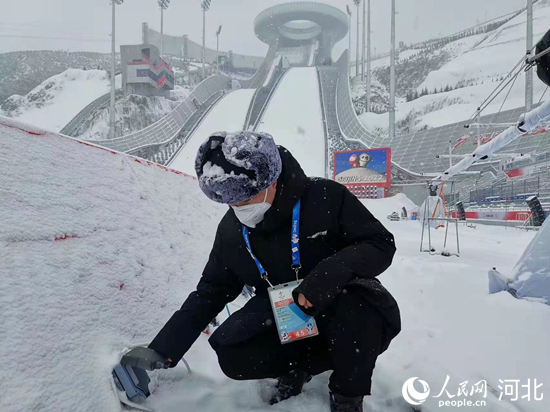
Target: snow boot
[(339, 403), (290, 385)]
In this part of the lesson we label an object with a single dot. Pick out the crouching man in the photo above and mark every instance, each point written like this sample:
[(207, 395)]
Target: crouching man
[(312, 252)]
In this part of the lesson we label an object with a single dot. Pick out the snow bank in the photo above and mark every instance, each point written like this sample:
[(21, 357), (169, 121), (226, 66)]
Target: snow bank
[(57, 100), (180, 93), (381, 208), (97, 249)]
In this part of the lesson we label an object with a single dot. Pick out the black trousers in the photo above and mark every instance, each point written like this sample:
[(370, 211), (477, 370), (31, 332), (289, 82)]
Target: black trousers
[(351, 336)]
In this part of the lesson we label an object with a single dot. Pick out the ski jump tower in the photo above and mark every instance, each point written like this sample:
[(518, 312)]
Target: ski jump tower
[(300, 24)]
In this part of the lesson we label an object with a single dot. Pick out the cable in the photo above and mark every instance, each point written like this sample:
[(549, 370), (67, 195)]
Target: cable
[(508, 94), (490, 98), (545, 90)]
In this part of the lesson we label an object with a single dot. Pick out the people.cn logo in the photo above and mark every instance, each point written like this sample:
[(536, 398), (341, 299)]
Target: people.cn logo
[(411, 395)]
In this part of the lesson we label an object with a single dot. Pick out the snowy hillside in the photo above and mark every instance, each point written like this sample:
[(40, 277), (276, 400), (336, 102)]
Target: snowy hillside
[(57, 100), (455, 78), (22, 71), (133, 113), (97, 249)]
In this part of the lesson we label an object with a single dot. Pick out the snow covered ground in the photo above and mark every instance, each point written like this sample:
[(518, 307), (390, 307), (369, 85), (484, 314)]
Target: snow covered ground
[(57, 100), (97, 249), (478, 62), (294, 118), (229, 114)]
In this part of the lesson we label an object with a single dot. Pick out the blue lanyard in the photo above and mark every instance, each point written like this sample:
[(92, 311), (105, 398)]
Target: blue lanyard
[(294, 244)]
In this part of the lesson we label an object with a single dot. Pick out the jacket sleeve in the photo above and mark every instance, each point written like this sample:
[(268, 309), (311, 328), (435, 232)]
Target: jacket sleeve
[(368, 252), (217, 286)]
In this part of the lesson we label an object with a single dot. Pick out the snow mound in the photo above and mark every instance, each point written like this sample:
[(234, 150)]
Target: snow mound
[(180, 93), (381, 208), (57, 100), (97, 249)]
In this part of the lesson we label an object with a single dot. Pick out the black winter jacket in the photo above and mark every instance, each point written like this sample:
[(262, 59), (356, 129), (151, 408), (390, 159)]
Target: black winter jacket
[(342, 246)]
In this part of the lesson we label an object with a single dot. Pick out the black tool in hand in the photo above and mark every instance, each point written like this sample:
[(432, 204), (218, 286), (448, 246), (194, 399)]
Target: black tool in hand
[(145, 358)]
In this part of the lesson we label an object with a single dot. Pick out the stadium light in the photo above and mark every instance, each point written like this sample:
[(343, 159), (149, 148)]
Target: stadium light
[(205, 5), (114, 3), (349, 35), (163, 6), (357, 4), (218, 49), (368, 69)]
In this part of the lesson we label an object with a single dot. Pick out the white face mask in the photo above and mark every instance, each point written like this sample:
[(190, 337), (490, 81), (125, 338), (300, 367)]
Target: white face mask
[(251, 215)]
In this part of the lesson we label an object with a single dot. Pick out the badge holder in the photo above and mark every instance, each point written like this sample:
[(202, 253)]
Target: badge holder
[(292, 323)]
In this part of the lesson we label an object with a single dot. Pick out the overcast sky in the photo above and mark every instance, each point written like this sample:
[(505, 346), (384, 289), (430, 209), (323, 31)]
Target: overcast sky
[(85, 25)]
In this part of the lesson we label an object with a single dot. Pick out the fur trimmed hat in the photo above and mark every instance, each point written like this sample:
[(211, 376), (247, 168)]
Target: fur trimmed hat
[(235, 167)]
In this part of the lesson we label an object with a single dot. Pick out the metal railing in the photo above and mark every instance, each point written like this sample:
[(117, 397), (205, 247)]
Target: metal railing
[(102, 102), (325, 126), (328, 79), (166, 130), (262, 98), (513, 189), (167, 153)]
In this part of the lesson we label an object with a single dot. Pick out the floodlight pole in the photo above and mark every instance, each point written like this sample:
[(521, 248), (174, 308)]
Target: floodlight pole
[(450, 153), (349, 37), (203, 40), (163, 4), (368, 59), (364, 41), (357, 3), (392, 73), (161, 31), (218, 50), (529, 73), (113, 64)]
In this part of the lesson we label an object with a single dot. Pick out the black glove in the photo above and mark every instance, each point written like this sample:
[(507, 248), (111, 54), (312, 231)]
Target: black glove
[(145, 358)]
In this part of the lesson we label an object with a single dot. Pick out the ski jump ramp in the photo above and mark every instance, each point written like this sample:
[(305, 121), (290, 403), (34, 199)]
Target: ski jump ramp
[(228, 114), (293, 117)]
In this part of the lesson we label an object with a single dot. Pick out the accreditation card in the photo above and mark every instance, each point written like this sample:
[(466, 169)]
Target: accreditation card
[(292, 323)]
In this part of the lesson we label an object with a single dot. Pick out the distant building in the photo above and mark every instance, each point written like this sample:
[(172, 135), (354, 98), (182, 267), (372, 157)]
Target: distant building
[(144, 72)]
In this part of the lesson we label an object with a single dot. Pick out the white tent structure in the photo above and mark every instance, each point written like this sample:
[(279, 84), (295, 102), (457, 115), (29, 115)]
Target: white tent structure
[(530, 278)]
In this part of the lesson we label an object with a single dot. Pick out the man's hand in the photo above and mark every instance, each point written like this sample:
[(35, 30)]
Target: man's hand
[(302, 301), (145, 358)]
